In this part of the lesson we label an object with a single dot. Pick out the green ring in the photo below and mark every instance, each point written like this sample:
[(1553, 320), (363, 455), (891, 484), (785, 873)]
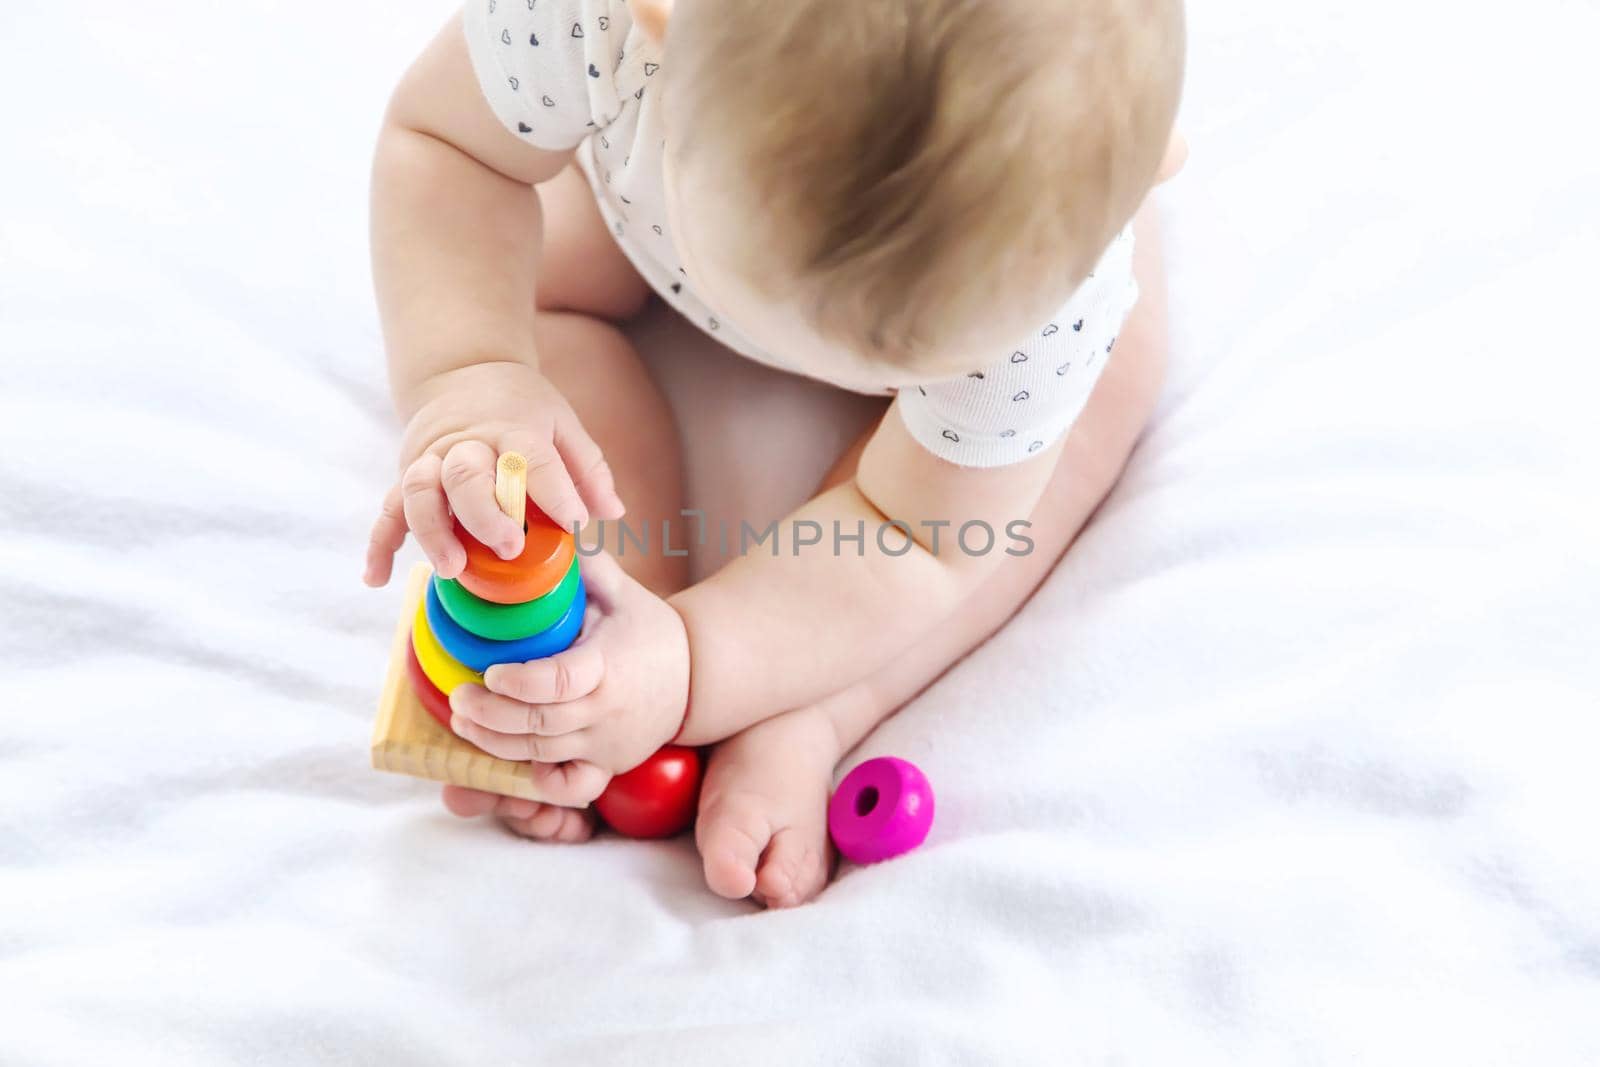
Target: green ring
[(507, 622)]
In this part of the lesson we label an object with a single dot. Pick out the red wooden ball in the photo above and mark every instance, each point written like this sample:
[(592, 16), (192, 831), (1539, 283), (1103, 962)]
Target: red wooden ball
[(656, 798)]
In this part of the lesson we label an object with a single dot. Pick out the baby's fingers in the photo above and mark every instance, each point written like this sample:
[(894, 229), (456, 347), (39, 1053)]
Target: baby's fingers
[(590, 471), (388, 534), (522, 747), (574, 784), (470, 803), (567, 676), (428, 516), (549, 484), (504, 715), (467, 475), (605, 581)]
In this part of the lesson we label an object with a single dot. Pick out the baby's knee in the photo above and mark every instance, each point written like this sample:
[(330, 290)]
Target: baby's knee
[(572, 343), (581, 269)]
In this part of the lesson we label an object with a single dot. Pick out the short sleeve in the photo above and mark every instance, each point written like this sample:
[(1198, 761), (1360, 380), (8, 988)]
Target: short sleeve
[(1030, 397), (548, 67)]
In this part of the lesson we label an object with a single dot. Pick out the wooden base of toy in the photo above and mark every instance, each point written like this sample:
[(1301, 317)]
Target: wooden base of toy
[(407, 740)]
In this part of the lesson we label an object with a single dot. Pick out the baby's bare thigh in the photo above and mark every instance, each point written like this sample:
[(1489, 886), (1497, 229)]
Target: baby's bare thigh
[(581, 268), (586, 287), (594, 365)]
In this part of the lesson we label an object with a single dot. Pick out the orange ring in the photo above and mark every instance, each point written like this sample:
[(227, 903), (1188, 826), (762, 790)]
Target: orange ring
[(547, 553)]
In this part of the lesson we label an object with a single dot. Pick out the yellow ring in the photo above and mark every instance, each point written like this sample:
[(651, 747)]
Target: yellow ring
[(437, 664)]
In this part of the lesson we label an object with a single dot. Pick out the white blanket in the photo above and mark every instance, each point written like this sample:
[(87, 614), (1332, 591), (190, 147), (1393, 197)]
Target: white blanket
[(1309, 776)]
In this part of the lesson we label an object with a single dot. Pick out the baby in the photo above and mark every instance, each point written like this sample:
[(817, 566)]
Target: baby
[(933, 201)]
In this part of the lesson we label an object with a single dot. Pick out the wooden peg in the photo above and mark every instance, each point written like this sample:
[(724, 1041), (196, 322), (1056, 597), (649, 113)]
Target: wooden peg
[(511, 486)]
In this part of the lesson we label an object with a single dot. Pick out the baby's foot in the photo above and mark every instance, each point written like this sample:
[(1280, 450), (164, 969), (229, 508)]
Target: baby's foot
[(763, 826), (543, 822)]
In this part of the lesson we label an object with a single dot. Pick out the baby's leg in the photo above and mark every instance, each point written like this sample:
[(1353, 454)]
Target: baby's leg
[(586, 287), (763, 821)]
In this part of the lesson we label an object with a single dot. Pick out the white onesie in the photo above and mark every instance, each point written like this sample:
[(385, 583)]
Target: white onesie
[(577, 74)]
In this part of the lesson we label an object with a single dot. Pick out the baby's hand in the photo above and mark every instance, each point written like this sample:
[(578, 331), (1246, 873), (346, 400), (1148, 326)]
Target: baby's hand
[(448, 457), (599, 708)]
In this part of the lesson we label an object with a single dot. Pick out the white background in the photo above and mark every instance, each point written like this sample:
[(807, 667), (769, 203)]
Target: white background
[(1291, 762)]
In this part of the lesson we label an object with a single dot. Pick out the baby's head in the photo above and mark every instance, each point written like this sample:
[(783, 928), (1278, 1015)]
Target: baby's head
[(899, 188)]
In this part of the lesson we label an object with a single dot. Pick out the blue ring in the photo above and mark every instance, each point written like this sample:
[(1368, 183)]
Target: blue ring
[(479, 653)]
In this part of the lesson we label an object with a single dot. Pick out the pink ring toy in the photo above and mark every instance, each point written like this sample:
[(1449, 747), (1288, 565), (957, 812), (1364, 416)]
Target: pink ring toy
[(882, 809)]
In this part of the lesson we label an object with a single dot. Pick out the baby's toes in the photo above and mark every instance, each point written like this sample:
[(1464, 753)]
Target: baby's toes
[(550, 822), (468, 803), (794, 869), (578, 826), (732, 832), (543, 822)]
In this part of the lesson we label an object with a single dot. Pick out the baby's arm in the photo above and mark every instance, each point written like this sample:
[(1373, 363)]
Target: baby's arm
[(455, 246), (769, 634)]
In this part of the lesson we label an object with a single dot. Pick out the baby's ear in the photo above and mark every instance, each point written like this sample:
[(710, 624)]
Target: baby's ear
[(651, 16)]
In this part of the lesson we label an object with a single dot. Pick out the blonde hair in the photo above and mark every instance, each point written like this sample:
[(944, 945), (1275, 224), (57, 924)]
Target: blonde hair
[(906, 160)]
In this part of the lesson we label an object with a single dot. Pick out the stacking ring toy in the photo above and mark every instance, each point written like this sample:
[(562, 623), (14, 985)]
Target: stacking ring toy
[(432, 700), (547, 552), (444, 672), (506, 622), (479, 654), (882, 808)]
